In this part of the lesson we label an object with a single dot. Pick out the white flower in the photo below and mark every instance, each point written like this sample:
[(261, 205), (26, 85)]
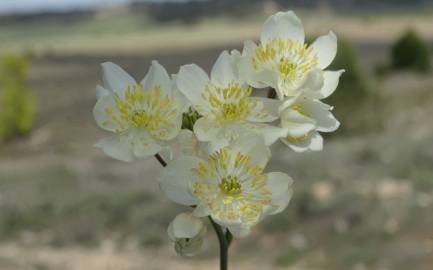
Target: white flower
[(225, 104), (187, 232), (304, 115), (143, 116), (282, 60), (229, 185)]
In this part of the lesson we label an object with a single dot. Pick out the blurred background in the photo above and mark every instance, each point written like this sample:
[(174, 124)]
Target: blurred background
[(364, 202)]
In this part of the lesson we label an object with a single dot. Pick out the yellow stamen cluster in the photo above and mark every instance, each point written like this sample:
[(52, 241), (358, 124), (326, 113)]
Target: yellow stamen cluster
[(136, 108), (231, 187), (300, 109), (297, 139), (293, 60), (230, 104)]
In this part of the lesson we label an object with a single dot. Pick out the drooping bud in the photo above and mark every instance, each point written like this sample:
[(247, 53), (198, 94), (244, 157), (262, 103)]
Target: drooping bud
[(187, 232)]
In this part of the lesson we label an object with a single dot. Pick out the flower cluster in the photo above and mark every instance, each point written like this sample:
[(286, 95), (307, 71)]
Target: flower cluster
[(218, 134)]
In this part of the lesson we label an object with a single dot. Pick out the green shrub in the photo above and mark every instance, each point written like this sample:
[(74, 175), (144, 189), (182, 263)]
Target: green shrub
[(410, 52), (16, 102)]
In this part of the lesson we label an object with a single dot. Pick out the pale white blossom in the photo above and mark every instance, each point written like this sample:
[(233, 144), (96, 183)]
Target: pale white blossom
[(282, 59), (305, 115), (229, 185), (224, 101), (187, 232), (143, 116)]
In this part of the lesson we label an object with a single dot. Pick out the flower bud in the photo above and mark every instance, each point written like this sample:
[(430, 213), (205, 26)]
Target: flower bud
[(187, 232)]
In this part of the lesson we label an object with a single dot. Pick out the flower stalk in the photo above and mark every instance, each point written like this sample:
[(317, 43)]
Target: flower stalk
[(224, 242)]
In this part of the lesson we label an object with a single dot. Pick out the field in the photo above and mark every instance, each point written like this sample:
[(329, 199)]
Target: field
[(365, 202)]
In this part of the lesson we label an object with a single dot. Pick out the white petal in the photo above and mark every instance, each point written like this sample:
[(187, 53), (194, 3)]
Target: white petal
[(224, 70), (185, 225), (117, 147), (295, 123), (201, 210), (266, 109), (331, 80), (325, 47), (313, 81), (143, 145), (279, 185), (270, 133), (239, 230), (192, 81), (205, 129), (176, 178), (115, 78), (253, 146), (157, 76), (325, 120), (187, 143), (101, 91), (285, 25), (314, 142), (105, 120)]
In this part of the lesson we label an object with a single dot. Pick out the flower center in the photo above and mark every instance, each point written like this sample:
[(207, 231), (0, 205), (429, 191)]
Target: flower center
[(229, 104), (140, 118), (230, 111), (230, 185), (291, 59), (140, 109), (287, 68)]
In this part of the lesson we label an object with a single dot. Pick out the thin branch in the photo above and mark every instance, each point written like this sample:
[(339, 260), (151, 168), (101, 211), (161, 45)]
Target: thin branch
[(161, 160)]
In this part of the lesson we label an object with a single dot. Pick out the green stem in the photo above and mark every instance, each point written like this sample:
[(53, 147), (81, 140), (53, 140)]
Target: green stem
[(224, 244)]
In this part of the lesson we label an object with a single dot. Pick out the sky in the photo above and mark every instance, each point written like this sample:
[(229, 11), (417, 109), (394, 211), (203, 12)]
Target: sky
[(18, 6), (25, 6)]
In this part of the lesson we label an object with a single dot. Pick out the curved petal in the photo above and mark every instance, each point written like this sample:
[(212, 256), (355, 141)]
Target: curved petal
[(157, 76), (239, 230), (325, 47), (115, 78), (187, 143), (192, 81), (224, 70), (143, 145), (285, 25), (252, 145), (313, 81), (185, 225), (296, 124), (101, 91), (117, 147), (265, 109), (205, 130), (330, 83), (313, 142), (201, 210), (279, 185), (176, 178), (325, 120), (270, 133), (106, 115)]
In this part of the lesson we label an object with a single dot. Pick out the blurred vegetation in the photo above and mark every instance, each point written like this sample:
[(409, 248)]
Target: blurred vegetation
[(410, 52), (356, 96), (16, 102)]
